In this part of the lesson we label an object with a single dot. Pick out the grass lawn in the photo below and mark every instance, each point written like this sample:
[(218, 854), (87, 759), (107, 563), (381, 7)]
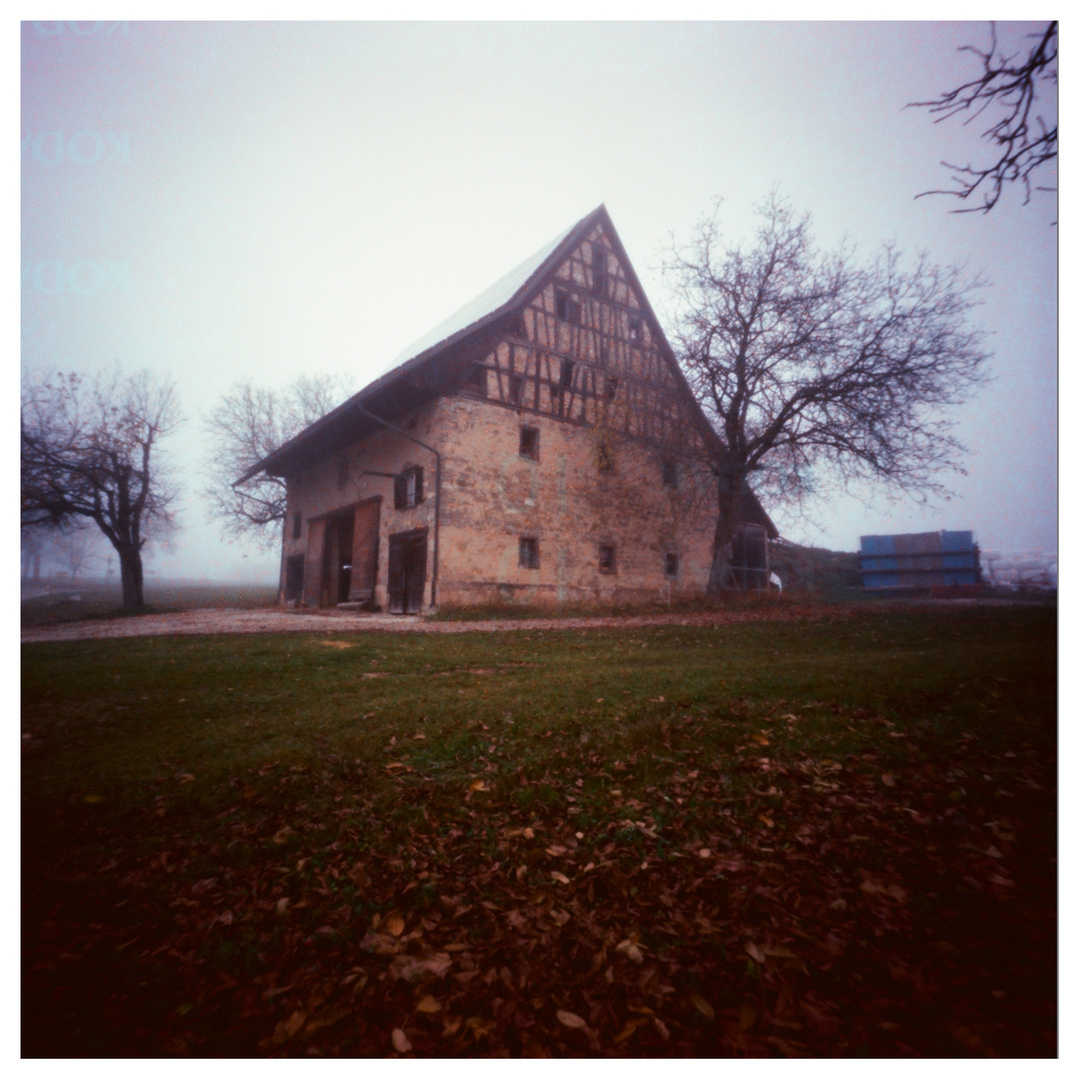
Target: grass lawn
[(826, 836)]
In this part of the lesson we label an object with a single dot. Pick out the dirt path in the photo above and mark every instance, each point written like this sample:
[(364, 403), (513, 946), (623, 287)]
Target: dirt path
[(280, 621)]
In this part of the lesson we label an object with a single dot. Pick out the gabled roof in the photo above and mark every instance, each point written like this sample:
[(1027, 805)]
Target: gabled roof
[(349, 420), (494, 299), (494, 302)]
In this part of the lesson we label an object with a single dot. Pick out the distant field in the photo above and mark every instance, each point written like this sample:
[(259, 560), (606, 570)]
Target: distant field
[(832, 836), (98, 600)]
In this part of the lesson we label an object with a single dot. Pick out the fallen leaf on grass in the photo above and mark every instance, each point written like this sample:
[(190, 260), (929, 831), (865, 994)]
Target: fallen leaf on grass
[(630, 951), (571, 1020), (428, 1004), (400, 1041), (629, 1029), (414, 968), (393, 924), (561, 878), (780, 951), (288, 1028), (478, 785), (755, 952), (702, 1005), (748, 1015)]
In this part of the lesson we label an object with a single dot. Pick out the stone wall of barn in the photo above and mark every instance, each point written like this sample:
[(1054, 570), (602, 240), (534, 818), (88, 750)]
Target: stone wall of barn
[(547, 518)]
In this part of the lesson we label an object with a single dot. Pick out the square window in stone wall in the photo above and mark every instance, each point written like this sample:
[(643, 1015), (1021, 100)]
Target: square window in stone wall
[(529, 553), (529, 443), (671, 564), (607, 558)]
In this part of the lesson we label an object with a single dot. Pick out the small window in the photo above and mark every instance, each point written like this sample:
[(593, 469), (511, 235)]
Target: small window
[(529, 443), (297, 524), (567, 307), (670, 474), (566, 384), (607, 558), (599, 270), (671, 564), (634, 329), (517, 389), (409, 488), (476, 383), (529, 553)]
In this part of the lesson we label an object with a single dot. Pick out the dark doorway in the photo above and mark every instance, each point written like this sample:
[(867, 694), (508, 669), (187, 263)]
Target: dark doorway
[(339, 545), (408, 571), (294, 579)]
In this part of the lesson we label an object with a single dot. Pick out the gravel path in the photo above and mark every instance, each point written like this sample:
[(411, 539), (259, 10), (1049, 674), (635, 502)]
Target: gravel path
[(282, 621)]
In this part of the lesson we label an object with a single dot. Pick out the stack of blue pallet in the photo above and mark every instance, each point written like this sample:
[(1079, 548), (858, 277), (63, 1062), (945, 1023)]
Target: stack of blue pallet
[(918, 560)]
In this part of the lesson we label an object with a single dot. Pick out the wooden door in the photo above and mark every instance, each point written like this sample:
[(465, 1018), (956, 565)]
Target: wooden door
[(407, 571), (365, 552), (313, 564)]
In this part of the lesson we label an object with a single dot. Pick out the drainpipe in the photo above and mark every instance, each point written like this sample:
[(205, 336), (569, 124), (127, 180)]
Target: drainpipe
[(438, 488)]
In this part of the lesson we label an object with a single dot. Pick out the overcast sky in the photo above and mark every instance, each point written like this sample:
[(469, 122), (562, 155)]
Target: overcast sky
[(232, 201)]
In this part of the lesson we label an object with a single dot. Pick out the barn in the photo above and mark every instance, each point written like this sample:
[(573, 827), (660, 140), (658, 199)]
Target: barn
[(541, 445)]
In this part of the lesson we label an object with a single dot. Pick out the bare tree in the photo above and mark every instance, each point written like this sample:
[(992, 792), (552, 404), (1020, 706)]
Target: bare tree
[(90, 450), (1008, 86), (249, 423), (69, 546), (817, 367)]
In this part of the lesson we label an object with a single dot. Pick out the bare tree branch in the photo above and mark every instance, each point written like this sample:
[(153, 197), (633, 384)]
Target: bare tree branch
[(247, 425), (1023, 141), (818, 368)]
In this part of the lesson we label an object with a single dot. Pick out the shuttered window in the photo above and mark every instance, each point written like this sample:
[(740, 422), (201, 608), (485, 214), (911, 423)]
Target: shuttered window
[(409, 488)]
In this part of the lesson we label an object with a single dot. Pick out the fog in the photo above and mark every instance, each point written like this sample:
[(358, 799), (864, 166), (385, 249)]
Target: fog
[(228, 201)]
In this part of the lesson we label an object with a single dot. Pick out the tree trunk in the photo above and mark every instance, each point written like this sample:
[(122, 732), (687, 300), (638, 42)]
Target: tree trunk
[(728, 516), (131, 576)]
